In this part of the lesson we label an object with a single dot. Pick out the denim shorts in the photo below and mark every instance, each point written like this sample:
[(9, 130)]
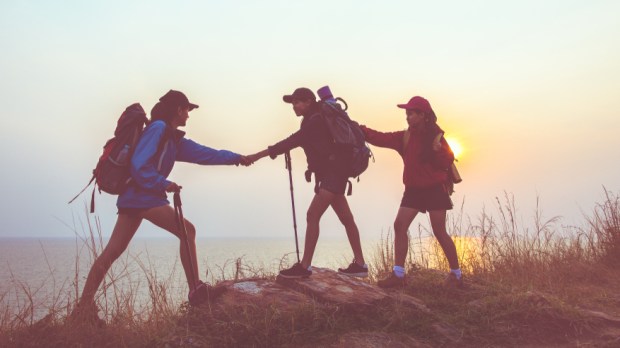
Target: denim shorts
[(133, 212), (427, 198)]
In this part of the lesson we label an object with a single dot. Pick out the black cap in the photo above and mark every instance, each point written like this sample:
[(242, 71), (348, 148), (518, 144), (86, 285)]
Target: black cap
[(176, 98), (301, 93)]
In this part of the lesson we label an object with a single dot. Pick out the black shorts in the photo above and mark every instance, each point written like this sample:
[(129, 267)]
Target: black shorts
[(332, 182), (428, 198), (133, 212)]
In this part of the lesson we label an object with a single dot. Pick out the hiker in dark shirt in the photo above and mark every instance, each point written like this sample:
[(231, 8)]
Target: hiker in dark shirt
[(426, 156), (145, 198), (315, 139)]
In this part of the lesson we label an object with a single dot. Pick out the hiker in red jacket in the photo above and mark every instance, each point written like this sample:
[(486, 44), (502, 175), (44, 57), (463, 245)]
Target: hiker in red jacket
[(426, 156)]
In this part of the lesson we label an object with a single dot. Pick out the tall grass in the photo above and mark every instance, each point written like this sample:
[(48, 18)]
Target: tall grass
[(495, 247), (499, 245)]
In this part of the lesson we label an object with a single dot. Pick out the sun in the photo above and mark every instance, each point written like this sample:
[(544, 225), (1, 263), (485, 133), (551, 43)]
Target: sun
[(456, 147)]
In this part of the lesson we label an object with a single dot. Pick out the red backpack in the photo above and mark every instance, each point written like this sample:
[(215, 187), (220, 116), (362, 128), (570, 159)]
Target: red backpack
[(112, 173)]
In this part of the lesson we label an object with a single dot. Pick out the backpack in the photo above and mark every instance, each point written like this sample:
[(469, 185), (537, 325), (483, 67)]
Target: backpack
[(348, 137), (112, 174), (454, 177)]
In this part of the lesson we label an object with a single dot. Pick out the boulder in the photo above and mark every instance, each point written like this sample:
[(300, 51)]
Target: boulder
[(263, 292), (327, 285)]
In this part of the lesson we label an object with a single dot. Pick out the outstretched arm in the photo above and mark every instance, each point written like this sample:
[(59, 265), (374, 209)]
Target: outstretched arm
[(255, 157), (192, 152), (392, 140), (293, 141)]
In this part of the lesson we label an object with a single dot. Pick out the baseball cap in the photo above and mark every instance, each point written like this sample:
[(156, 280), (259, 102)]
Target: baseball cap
[(417, 103), (301, 93), (176, 98)]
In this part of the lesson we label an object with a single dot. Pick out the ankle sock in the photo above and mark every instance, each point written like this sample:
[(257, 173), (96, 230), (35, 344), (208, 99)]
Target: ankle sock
[(363, 265), (457, 273), (399, 271)]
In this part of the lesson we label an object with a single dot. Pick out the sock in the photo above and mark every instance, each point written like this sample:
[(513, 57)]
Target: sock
[(456, 272), (399, 271), (310, 268), (364, 265)]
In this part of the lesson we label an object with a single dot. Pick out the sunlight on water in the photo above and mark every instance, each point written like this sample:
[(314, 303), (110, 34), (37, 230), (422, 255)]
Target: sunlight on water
[(48, 270), (42, 269)]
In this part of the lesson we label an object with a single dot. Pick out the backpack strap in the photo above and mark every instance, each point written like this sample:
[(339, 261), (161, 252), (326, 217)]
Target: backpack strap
[(92, 200), (406, 137), (84, 189)]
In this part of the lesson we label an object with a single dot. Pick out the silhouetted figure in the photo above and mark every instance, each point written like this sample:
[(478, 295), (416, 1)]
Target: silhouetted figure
[(426, 156), (331, 182), (145, 197)]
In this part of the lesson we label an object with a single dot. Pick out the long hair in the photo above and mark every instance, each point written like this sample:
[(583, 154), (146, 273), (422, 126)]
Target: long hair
[(164, 112), (431, 129)]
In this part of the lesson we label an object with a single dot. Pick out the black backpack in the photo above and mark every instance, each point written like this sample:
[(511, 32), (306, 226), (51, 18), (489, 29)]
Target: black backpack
[(350, 143), (112, 174)]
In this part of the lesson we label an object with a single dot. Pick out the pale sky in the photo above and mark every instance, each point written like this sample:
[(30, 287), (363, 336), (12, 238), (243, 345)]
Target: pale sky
[(529, 88)]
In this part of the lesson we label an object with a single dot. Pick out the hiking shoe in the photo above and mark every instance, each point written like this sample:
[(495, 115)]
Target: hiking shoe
[(391, 282), (452, 282), (354, 270), (297, 271), (86, 315), (204, 292)]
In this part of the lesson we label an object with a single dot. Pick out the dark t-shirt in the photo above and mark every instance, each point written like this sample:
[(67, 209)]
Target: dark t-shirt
[(314, 137)]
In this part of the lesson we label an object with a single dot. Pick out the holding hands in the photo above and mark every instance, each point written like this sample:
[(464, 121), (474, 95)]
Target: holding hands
[(245, 161), (250, 159)]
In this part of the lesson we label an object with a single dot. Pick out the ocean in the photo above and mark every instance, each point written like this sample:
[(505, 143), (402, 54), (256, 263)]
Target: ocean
[(47, 273)]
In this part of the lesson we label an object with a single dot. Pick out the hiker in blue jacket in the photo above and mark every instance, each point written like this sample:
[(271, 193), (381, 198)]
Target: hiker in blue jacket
[(159, 147), (331, 182)]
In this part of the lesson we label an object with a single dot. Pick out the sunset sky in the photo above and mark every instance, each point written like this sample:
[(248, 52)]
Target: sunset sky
[(530, 89)]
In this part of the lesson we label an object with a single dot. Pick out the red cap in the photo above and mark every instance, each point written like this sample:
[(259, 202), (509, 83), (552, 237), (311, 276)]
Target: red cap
[(417, 103)]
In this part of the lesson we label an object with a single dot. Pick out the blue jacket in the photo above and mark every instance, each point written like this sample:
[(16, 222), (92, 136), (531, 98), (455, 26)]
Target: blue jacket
[(149, 172)]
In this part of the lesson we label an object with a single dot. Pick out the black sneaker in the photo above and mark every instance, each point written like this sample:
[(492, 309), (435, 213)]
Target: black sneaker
[(354, 270), (86, 315), (203, 293), (453, 282), (392, 281), (297, 271)]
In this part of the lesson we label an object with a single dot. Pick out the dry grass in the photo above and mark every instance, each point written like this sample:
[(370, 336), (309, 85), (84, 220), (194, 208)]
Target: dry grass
[(526, 285)]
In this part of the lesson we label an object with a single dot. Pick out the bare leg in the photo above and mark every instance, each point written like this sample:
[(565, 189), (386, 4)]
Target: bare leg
[(125, 228), (342, 210), (403, 220), (165, 218), (438, 223), (319, 204)]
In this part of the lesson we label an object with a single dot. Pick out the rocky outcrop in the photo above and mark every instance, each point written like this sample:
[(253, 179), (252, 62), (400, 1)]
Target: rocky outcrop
[(330, 287), (325, 285)]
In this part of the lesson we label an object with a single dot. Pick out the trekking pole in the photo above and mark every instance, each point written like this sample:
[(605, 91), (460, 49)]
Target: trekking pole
[(178, 211), (287, 159)]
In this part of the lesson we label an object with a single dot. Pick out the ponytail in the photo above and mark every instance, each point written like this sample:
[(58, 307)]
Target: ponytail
[(431, 129), (162, 111)]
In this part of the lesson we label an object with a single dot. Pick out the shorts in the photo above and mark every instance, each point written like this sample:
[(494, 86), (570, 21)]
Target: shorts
[(133, 212), (334, 183), (427, 198)]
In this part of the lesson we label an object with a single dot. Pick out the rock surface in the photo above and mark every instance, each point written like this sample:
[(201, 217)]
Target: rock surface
[(330, 287), (326, 285), (262, 291)]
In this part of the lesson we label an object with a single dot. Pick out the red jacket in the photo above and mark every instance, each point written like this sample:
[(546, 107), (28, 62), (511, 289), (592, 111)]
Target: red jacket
[(417, 173)]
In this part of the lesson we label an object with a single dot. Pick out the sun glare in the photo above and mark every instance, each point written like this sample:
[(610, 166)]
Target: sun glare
[(455, 146)]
